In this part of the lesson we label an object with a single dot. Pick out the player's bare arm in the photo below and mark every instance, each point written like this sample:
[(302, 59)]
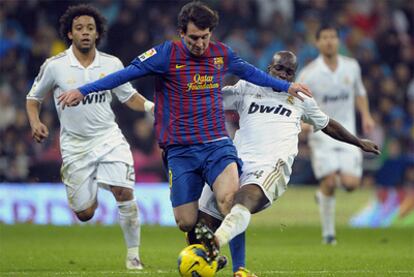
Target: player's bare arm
[(368, 122), (39, 130), (338, 132), (137, 102)]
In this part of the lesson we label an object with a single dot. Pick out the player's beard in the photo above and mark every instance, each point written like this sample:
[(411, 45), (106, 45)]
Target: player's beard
[(85, 50)]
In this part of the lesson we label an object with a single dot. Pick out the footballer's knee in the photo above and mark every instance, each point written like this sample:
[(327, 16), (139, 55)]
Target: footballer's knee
[(252, 197), (350, 183), (185, 226), (186, 216), (350, 188), (122, 194), (328, 185), (225, 202), (85, 215)]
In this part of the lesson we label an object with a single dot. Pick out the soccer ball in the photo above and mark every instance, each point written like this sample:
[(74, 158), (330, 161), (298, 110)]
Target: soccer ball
[(192, 262)]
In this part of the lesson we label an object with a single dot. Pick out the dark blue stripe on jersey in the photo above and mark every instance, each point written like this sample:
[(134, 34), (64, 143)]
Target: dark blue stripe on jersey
[(209, 123), (164, 136), (211, 102), (161, 100), (219, 104), (181, 128)]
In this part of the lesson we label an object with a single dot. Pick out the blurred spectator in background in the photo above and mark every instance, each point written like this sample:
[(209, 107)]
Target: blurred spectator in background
[(370, 29)]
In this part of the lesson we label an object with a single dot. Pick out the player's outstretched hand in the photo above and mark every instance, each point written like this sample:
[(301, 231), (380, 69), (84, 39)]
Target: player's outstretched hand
[(39, 132), (369, 146), (70, 98), (295, 88)]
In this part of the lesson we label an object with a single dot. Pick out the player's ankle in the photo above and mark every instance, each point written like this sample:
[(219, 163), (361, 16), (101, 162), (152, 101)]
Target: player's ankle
[(133, 252)]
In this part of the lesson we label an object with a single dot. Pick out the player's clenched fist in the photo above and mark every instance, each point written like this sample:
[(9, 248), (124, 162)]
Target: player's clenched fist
[(39, 132), (70, 98)]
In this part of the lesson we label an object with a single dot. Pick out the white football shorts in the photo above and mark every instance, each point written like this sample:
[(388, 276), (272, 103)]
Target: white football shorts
[(271, 178), (342, 160), (103, 167)]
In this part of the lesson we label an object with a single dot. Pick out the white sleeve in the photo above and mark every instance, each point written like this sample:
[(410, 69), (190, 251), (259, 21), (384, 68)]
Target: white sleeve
[(232, 96), (359, 86), (125, 91), (43, 83), (313, 114)]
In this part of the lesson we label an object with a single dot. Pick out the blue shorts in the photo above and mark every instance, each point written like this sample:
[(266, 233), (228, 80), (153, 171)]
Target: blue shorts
[(191, 166)]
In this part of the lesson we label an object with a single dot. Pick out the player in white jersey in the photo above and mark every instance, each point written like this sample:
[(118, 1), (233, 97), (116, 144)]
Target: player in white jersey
[(267, 140), (337, 86), (94, 150)]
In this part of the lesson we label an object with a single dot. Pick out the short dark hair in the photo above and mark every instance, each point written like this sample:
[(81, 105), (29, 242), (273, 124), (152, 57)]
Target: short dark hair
[(198, 13), (324, 27), (66, 20)]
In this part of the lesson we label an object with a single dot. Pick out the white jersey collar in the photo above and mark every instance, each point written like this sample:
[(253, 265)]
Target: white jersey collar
[(75, 62), (325, 67)]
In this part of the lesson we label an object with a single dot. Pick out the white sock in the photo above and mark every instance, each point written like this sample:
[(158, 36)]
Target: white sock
[(234, 223), (131, 227), (327, 213)]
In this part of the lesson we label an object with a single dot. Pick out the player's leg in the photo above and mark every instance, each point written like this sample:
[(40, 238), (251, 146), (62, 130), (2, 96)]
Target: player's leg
[(348, 162), (119, 178), (225, 187), (186, 183), (326, 200), (130, 224), (325, 164), (186, 216), (349, 182), (351, 169), (88, 213), (221, 169), (261, 184), (81, 188), (249, 199), (210, 215)]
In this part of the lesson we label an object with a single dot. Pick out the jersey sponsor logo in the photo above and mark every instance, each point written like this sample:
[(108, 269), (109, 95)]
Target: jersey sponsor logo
[(280, 110), (218, 62), (202, 82), (93, 98), (334, 98), (178, 66), (147, 54)]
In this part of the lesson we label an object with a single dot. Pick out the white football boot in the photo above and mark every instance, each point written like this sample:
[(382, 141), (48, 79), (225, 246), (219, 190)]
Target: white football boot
[(134, 264)]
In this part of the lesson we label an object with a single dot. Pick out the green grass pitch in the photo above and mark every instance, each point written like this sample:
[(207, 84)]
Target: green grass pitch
[(282, 241)]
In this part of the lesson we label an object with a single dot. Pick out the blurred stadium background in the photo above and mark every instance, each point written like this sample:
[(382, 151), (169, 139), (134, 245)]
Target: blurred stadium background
[(378, 33)]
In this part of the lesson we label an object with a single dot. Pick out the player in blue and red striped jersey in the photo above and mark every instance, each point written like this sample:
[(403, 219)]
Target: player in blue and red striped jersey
[(189, 116)]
